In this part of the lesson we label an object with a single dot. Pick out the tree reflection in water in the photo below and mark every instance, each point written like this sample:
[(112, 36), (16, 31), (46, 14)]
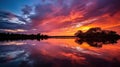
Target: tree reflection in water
[(96, 42)]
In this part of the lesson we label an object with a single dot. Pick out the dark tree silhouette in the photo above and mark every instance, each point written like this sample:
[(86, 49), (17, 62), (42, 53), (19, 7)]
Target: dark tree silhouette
[(94, 37), (11, 36)]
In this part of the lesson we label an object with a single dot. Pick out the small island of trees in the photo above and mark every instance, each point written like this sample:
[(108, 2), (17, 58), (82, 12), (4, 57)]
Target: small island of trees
[(96, 37)]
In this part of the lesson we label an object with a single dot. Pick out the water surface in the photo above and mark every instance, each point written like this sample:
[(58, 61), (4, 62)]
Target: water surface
[(58, 53)]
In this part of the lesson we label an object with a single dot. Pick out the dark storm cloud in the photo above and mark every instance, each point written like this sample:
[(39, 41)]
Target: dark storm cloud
[(103, 7), (11, 21), (42, 10), (27, 10), (58, 8), (8, 25)]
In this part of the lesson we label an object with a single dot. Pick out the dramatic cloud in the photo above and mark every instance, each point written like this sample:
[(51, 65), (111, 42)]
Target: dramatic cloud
[(58, 14), (12, 23), (65, 15), (103, 7), (27, 10)]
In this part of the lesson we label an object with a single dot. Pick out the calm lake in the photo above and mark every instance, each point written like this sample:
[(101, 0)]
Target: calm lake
[(58, 53)]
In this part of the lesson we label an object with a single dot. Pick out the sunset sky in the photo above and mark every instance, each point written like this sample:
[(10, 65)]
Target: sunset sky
[(58, 17)]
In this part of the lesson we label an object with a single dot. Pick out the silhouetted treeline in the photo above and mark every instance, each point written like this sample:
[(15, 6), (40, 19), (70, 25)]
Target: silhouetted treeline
[(97, 33), (13, 36), (96, 37)]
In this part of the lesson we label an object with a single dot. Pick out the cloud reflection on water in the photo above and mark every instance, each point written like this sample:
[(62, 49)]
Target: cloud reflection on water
[(61, 53)]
